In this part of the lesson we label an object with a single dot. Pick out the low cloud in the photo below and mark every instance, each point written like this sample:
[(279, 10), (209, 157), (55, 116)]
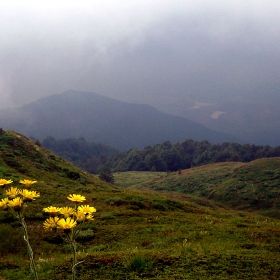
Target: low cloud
[(140, 50)]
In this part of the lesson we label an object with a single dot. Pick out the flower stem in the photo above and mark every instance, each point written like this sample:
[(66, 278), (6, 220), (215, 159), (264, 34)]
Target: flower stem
[(29, 249), (74, 248)]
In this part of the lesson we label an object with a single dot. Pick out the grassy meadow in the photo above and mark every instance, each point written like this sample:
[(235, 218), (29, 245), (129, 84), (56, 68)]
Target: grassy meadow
[(143, 229)]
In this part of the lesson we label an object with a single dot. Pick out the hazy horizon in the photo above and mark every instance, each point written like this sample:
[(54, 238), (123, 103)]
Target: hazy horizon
[(140, 51)]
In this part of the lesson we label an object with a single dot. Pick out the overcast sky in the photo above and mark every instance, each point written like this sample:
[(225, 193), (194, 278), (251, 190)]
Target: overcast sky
[(140, 51)]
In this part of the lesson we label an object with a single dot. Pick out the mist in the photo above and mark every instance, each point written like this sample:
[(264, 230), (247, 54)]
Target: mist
[(140, 51)]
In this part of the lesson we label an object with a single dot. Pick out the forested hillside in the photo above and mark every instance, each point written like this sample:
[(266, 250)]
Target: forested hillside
[(88, 156), (187, 154), (91, 156)]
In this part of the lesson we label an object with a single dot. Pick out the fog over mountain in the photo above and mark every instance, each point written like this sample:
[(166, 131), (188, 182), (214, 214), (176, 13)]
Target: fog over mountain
[(103, 120), (140, 51), (168, 54)]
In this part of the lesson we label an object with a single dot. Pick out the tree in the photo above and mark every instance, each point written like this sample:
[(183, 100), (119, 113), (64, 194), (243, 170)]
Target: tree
[(106, 175)]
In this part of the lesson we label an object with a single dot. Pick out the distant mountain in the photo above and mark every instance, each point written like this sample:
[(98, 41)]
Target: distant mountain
[(101, 119), (256, 121)]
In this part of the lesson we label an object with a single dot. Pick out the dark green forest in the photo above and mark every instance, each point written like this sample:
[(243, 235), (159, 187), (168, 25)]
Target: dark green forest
[(91, 157), (187, 154), (88, 156)]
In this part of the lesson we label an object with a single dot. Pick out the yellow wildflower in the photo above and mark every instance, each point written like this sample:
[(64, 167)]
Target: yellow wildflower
[(81, 216), (66, 211), (51, 223), (16, 203), (86, 209), (89, 217), (12, 192), (29, 195), (53, 211), (4, 203), (76, 197), (66, 224), (5, 182), (27, 183)]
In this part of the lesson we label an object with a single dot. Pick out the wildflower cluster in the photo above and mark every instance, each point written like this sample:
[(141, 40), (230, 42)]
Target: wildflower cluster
[(63, 220), (66, 221), (15, 200), (68, 218)]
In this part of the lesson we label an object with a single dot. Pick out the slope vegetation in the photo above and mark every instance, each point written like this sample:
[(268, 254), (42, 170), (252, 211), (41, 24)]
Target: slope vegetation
[(21, 157), (189, 153), (252, 186)]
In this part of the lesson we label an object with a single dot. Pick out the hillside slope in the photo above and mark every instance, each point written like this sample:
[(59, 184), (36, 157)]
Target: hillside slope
[(20, 156), (101, 119), (136, 234), (251, 186)]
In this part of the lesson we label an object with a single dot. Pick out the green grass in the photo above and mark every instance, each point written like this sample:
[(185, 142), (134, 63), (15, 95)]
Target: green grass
[(178, 241), (250, 186), (136, 179), (176, 246), (140, 232)]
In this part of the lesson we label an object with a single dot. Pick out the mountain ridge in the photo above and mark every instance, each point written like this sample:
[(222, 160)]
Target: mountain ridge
[(119, 124)]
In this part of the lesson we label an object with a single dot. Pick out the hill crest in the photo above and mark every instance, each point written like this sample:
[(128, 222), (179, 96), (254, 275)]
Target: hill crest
[(19, 156)]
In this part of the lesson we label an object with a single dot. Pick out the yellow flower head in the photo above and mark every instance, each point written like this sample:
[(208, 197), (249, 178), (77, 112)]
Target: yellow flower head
[(12, 192), (53, 211), (27, 183), (51, 223), (66, 224), (86, 209), (29, 195), (4, 203), (81, 216), (76, 197), (66, 211), (89, 217), (16, 203), (4, 182)]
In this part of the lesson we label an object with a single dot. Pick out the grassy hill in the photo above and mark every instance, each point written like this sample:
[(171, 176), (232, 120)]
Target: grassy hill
[(138, 233), (19, 155), (246, 186)]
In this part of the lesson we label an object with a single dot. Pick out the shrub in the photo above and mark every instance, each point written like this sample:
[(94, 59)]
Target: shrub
[(139, 263), (159, 206)]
